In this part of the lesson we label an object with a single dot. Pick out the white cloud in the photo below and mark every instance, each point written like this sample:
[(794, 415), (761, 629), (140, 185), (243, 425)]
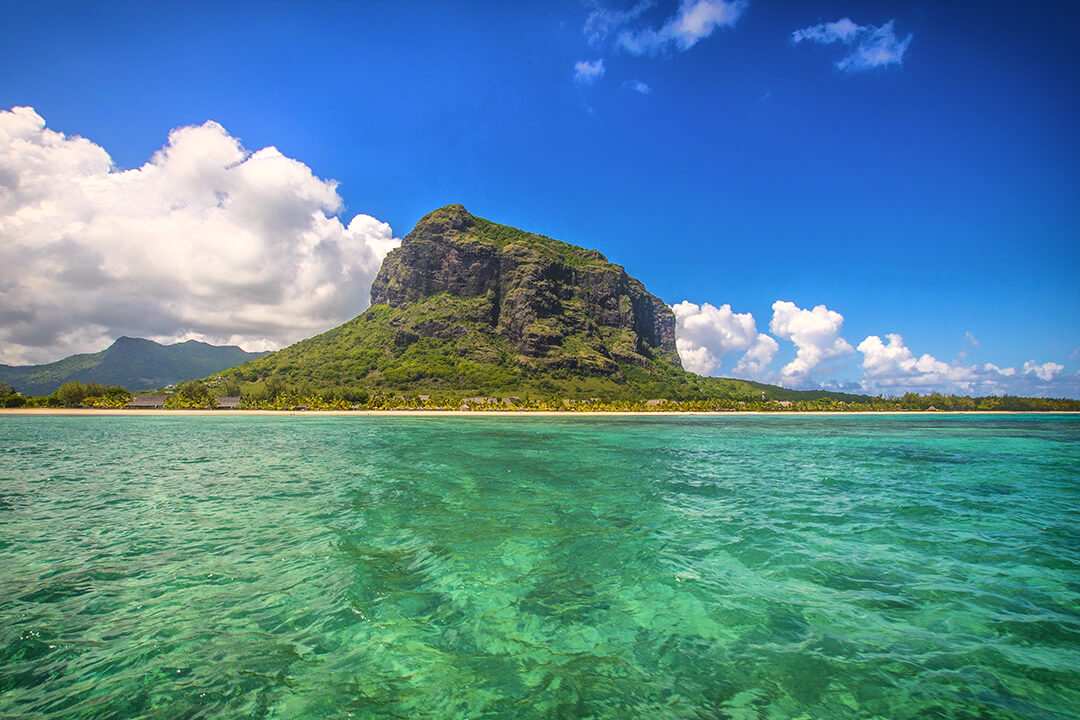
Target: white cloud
[(816, 334), (207, 240), (587, 73), (843, 30), (971, 338), (638, 87), (602, 21), (1044, 372), (704, 334), (992, 368), (754, 363), (894, 366), (874, 46), (695, 20)]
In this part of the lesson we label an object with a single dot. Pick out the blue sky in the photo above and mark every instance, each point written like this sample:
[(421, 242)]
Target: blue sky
[(934, 196)]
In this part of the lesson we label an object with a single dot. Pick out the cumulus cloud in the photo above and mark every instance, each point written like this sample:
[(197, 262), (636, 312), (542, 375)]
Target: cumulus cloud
[(207, 240), (892, 365), (1044, 372), (704, 334), (873, 46), (815, 333), (694, 20), (638, 87), (754, 364), (587, 73)]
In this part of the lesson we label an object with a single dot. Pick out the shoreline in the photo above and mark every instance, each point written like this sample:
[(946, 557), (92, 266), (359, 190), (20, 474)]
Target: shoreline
[(124, 412)]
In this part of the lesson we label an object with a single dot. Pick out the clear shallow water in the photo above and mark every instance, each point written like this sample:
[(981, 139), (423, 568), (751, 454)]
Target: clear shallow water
[(729, 567)]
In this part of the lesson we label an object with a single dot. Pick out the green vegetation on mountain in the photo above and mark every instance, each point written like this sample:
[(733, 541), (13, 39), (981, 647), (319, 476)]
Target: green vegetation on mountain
[(469, 307), (465, 312), (129, 362)]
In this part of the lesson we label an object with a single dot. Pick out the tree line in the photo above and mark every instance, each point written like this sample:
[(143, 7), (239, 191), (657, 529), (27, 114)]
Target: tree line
[(275, 394), (71, 394)]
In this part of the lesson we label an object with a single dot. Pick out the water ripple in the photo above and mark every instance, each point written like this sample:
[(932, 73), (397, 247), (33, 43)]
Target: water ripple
[(746, 567)]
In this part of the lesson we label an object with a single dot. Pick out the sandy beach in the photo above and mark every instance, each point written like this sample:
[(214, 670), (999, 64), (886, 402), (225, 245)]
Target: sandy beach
[(87, 412)]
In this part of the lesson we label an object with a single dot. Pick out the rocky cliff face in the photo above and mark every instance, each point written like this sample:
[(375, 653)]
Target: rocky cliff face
[(558, 305)]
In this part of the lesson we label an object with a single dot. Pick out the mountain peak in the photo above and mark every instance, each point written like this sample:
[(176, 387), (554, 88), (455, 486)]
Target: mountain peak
[(131, 341), (556, 304), (449, 218), (465, 303), (135, 363)]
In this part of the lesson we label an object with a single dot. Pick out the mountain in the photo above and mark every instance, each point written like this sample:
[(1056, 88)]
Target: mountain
[(133, 363), (467, 305), (547, 304)]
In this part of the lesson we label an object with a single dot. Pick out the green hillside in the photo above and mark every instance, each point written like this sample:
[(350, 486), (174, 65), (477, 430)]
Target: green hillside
[(132, 363), (377, 352), (469, 307)]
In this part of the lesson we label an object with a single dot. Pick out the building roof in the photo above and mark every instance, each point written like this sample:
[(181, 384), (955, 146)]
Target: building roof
[(147, 401)]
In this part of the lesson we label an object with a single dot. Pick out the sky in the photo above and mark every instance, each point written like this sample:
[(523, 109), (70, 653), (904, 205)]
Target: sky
[(878, 197)]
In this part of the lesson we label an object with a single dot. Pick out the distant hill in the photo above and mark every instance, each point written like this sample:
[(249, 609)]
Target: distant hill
[(466, 305), (133, 363)]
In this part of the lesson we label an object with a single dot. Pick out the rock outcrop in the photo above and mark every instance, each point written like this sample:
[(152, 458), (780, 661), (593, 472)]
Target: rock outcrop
[(558, 305)]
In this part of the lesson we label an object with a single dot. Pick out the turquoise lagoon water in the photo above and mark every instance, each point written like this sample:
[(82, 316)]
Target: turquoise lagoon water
[(368, 567)]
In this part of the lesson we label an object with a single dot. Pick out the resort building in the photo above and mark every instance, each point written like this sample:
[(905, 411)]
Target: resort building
[(147, 402)]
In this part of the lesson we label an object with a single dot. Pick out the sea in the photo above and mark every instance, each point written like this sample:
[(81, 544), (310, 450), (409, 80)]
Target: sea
[(393, 566)]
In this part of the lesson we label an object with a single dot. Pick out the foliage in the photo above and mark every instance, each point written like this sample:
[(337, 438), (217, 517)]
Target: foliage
[(192, 394), (71, 394), (447, 346), (12, 401), (74, 394), (492, 233), (546, 395), (113, 397), (131, 362), (372, 361), (226, 386), (9, 397)]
